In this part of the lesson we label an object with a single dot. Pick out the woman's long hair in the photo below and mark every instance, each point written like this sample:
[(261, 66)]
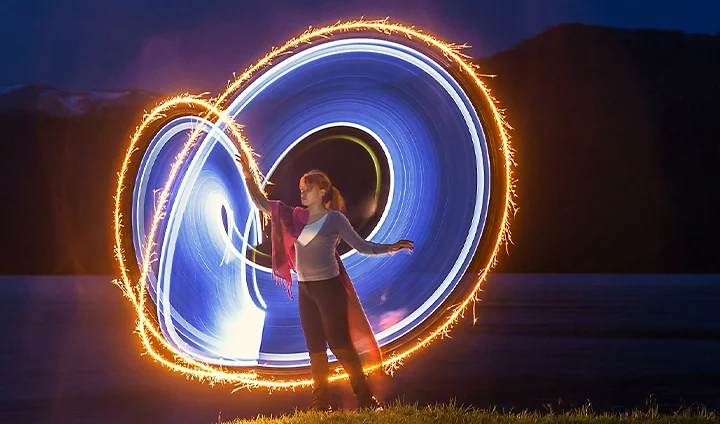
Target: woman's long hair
[(332, 199)]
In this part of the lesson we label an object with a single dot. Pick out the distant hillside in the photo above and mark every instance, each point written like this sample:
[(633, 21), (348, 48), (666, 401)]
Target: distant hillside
[(617, 137), (59, 175), (618, 141), (54, 102)]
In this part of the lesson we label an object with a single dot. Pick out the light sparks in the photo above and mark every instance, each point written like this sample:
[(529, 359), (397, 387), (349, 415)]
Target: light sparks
[(152, 340)]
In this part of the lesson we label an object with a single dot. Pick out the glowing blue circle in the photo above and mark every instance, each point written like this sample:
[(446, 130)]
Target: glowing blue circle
[(217, 306)]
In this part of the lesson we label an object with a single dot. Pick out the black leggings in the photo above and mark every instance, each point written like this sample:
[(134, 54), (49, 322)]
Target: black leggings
[(323, 314)]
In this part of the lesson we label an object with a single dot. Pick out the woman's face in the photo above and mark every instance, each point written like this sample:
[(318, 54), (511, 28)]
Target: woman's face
[(310, 194)]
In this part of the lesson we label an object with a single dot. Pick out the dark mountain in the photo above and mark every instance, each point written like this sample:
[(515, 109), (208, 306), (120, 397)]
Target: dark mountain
[(54, 102), (59, 175), (616, 131), (618, 145)]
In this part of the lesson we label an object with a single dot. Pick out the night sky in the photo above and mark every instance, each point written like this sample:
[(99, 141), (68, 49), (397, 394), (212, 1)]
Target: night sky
[(195, 46)]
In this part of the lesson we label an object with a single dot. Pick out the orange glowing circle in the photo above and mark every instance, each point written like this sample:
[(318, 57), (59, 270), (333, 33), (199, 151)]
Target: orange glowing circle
[(150, 335)]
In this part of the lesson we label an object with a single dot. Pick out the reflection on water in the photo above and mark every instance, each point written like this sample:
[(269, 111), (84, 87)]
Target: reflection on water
[(71, 356)]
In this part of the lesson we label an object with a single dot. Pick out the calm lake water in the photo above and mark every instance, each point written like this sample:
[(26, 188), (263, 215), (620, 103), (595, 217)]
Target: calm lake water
[(69, 353)]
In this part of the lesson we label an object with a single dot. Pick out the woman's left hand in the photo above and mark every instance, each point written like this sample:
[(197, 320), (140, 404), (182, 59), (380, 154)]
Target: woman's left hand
[(402, 244)]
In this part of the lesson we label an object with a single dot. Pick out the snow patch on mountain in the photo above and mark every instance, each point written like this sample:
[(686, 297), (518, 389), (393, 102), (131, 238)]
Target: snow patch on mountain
[(60, 103)]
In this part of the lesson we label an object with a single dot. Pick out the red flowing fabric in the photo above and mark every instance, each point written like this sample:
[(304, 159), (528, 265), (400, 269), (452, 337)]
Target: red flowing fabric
[(286, 224)]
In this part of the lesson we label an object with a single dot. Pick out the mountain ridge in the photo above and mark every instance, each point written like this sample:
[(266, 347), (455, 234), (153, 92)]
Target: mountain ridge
[(617, 149), (52, 101)]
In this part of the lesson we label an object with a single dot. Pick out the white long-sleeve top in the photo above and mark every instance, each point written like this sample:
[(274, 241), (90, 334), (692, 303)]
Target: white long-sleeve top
[(315, 247)]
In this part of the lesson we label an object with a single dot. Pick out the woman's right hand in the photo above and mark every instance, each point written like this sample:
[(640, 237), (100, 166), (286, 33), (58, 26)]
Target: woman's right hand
[(245, 165), (256, 193)]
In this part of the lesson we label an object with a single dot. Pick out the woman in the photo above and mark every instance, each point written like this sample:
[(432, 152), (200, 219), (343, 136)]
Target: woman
[(305, 239)]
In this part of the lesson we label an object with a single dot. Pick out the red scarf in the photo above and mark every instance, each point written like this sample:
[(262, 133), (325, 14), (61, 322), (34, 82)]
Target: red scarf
[(286, 224)]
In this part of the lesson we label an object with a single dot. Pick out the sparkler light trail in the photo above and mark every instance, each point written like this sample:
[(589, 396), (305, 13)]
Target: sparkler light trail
[(214, 313)]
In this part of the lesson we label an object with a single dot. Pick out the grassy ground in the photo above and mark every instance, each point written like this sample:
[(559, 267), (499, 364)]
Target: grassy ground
[(450, 413)]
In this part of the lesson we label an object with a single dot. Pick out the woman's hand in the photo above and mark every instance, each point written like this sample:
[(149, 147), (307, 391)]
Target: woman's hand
[(245, 165), (402, 244), (256, 194)]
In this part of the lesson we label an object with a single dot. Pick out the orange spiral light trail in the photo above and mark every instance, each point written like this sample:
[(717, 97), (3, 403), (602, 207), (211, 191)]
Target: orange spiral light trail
[(150, 335)]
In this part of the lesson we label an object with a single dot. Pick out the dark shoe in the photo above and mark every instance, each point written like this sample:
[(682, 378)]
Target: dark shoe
[(320, 371), (319, 408), (353, 367), (370, 403)]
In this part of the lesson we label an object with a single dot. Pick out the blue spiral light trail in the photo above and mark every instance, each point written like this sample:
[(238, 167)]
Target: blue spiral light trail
[(220, 307)]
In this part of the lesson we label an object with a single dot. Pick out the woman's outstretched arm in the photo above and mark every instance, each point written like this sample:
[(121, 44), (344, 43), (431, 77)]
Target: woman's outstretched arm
[(348, 233), (257, 196)]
